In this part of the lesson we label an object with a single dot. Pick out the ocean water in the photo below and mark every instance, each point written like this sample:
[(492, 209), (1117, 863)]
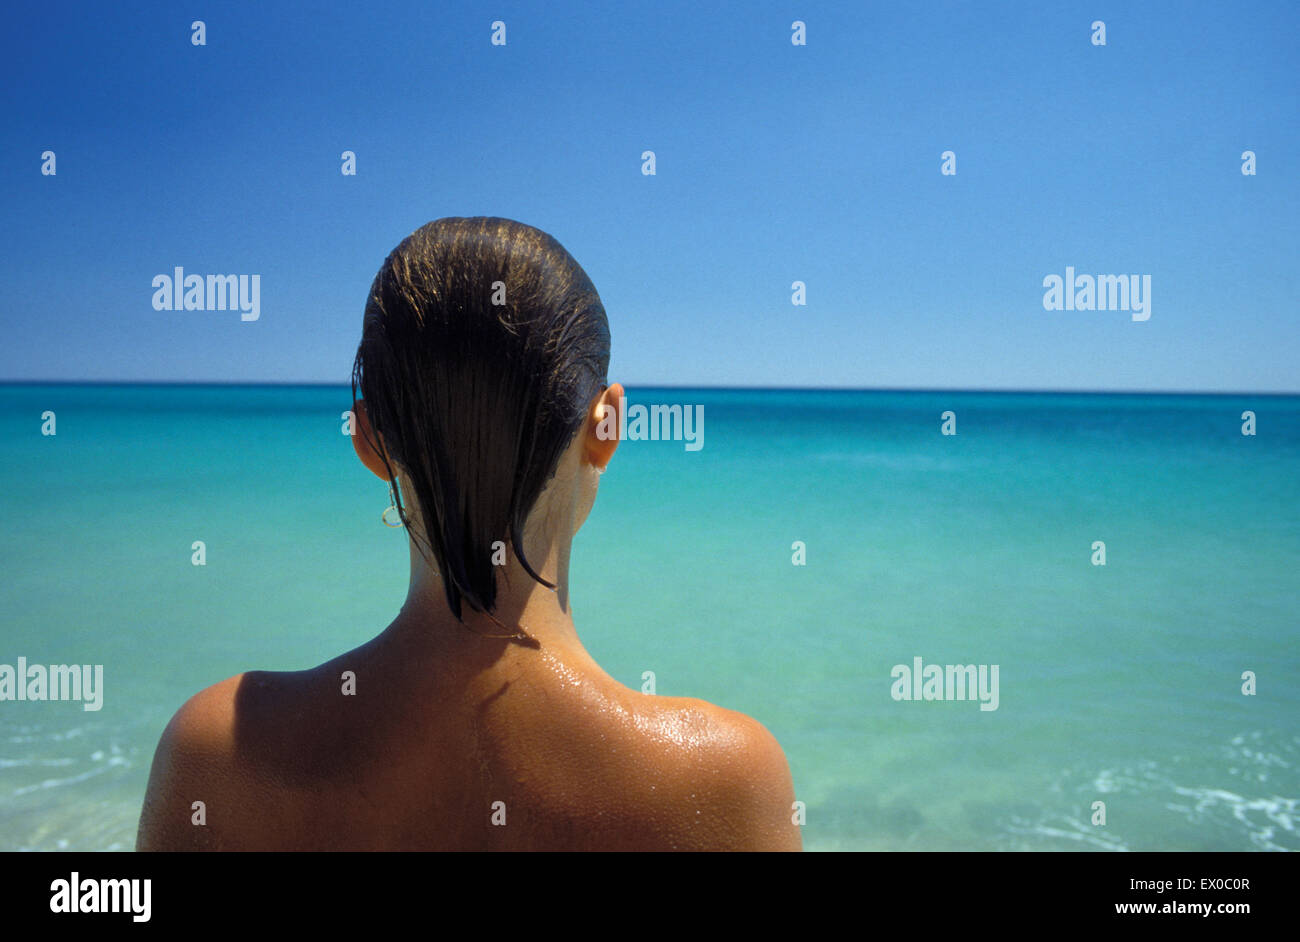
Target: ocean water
[(1119, 683)]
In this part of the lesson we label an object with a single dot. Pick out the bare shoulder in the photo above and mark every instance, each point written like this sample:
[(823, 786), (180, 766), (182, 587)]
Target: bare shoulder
[(610, 768), (194, 744), (752, 791), (200, 771), (725, 783)]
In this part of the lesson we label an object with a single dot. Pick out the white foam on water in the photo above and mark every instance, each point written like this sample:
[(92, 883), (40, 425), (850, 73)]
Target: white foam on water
[(1263, 821), (1276, 809)]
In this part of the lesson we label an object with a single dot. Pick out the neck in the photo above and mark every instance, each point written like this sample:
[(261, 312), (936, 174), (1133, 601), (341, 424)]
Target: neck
[(522, 604)]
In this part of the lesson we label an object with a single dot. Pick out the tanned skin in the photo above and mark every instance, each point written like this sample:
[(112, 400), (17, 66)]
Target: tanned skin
[(447, 722)]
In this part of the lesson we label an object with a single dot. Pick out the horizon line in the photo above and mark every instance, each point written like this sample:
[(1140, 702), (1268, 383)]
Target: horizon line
[(703, 387)]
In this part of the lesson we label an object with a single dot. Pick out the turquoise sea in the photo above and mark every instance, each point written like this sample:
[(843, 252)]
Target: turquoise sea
[(1119, 683)]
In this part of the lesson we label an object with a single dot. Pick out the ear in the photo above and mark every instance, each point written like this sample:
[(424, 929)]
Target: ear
[(363, 435), (600, 434)]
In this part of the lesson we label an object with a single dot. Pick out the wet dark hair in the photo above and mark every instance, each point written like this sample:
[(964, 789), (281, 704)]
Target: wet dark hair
[(476, 401)]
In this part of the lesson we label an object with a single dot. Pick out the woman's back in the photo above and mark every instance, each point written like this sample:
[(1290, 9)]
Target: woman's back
[(476, 720), (539, 750)]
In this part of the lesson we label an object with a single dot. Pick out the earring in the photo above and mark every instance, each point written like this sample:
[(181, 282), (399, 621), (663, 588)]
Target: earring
[(392, 508)]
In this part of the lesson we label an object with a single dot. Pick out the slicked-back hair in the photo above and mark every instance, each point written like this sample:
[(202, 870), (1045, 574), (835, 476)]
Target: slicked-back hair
[(475, 400)]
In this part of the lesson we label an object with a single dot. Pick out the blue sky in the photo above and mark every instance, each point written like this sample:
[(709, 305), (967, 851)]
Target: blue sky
[(775, 163)]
